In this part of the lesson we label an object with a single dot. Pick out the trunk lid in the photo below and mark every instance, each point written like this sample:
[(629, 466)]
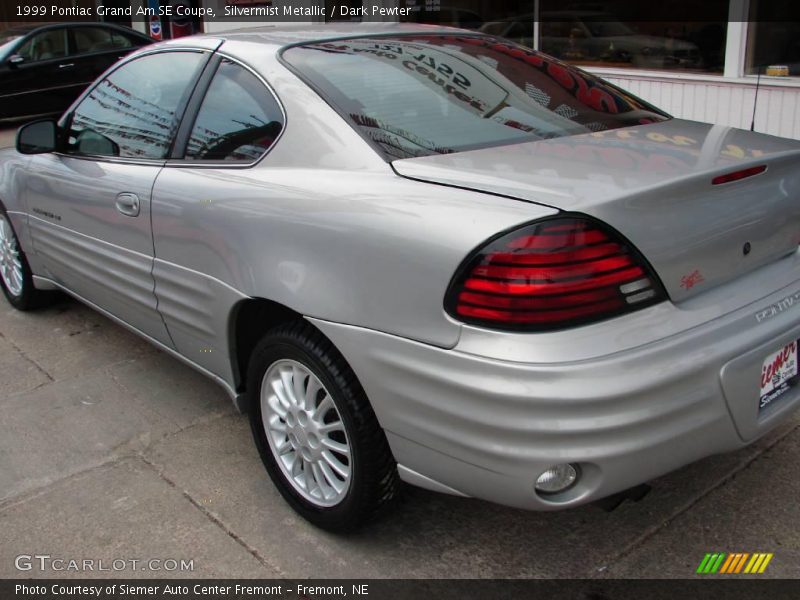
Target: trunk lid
[(653, 183)]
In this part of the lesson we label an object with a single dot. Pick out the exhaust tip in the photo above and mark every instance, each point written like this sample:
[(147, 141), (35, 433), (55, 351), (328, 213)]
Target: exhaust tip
[(634, 494)]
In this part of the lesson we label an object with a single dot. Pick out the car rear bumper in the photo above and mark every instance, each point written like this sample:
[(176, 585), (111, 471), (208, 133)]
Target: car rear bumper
[(487, 428)]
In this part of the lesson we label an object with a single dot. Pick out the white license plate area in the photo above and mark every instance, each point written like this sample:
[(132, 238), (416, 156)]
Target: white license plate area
[(778, 374)]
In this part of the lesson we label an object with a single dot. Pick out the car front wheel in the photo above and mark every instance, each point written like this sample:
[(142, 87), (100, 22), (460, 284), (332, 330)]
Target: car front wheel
[(315, 430), (16, 278)]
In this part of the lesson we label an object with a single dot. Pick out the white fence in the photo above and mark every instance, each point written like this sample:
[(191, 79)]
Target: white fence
[(721, 102)]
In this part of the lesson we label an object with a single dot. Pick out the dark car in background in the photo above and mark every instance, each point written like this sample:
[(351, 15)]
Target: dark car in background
[(44, 68)]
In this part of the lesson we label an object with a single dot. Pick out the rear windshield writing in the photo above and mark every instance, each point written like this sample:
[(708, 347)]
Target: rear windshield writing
[(435, 94)]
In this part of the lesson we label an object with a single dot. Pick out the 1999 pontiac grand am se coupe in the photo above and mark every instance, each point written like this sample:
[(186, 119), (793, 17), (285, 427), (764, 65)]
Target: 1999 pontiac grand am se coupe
[(423, 254)]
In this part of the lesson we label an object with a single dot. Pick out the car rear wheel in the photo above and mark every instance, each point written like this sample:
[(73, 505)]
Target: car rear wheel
[(316, 432), (16, 279)]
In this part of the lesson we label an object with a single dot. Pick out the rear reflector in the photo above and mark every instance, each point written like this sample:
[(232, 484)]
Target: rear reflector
[(737, 175), (552, 274)]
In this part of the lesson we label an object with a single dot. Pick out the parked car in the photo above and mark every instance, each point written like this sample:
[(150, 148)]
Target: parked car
[(598, 37), (447, 16), (43, 68), (416, 253)]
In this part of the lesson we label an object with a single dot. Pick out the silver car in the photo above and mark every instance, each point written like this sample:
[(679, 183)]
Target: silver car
[(423, 254)]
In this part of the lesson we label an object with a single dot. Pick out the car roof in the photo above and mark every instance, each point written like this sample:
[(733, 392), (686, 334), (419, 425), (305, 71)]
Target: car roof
[(20, 29), (297, 33)]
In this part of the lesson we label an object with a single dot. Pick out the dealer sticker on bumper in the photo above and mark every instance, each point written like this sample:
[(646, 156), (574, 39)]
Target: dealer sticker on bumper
[(778, 374)]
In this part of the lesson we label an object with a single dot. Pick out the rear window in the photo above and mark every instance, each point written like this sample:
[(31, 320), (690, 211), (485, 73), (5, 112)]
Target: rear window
[(427, 94)]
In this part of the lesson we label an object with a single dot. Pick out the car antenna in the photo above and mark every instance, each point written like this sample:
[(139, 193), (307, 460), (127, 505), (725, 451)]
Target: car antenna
[(755, 100)]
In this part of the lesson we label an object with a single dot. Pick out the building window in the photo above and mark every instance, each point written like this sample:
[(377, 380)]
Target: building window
[(621, 34), (678, 36), (773, 40)]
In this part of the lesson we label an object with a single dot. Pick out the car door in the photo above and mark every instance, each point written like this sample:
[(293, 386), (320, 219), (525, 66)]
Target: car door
[(238, 119), (89, 204), (36, 77), (94, 49)]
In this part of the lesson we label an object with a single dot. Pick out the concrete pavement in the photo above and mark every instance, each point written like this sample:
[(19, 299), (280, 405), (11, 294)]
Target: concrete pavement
[(110, 449)]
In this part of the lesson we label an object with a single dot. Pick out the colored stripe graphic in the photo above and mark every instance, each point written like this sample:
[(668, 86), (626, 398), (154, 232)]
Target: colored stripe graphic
[(752, 563), (718, 564), (759, 563), (732, 559), (766, 562), (711, 563), (703, 563), (728, 564), (740, 566)]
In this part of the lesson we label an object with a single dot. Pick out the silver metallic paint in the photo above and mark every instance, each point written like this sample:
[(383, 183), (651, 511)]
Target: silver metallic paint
[(488, 427), (90, 247), (653, 184)]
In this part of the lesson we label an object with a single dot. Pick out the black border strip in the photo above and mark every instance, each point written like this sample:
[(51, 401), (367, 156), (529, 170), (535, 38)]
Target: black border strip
[(730, 587)]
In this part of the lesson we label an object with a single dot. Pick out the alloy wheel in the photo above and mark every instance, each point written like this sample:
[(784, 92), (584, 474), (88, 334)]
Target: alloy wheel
[(10, 259), (306, 433)]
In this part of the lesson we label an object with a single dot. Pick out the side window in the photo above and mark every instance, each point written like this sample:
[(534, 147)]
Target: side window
[(45, 46), (132, 113), (92, 39), (120, 40), (238, 120)]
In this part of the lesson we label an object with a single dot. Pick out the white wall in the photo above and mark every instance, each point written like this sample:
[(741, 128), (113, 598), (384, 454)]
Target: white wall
[(139, 25), (723, 103)]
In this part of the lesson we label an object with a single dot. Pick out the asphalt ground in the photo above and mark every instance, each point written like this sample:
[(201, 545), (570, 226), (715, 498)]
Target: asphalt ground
[(110, 449)]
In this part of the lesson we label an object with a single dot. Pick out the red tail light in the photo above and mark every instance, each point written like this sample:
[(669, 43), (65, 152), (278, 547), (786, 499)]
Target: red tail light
[(737, 175), (552, 274)]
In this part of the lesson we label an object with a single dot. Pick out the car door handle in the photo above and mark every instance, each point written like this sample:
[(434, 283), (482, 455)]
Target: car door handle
[(66, 66), (128, 204)]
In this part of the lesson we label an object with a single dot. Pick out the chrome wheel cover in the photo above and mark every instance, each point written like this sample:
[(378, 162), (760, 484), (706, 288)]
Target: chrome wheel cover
[(10, 259), (305, 433)]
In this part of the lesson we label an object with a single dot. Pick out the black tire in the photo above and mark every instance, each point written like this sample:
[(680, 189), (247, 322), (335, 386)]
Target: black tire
[(29, 297), (374, 482)]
